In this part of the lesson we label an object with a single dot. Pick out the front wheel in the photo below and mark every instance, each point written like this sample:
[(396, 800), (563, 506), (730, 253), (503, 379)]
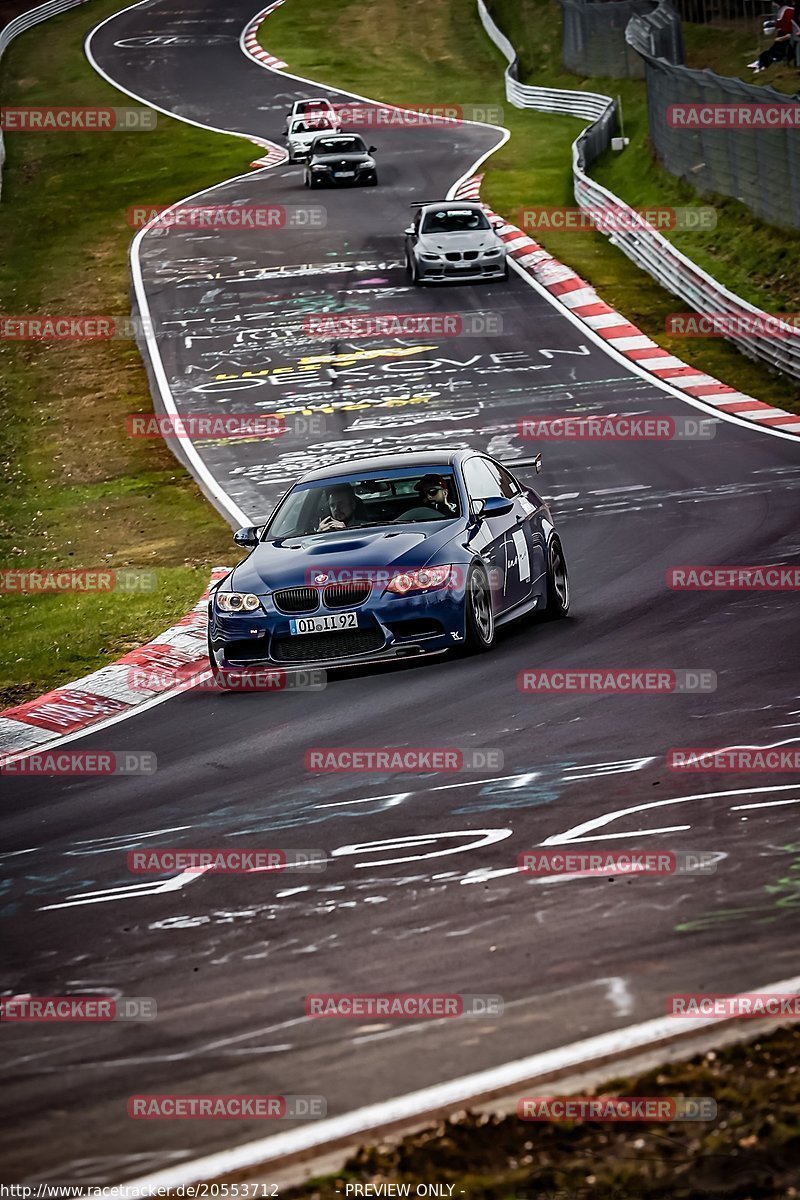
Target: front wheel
[(557, 580), (413, 270), (479, 618)]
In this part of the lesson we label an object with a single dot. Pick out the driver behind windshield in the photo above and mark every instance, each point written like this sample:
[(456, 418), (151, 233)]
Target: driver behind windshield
[(346, 510)]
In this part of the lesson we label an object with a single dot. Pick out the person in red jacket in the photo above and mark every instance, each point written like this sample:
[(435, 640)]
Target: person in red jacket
[(779, 50)]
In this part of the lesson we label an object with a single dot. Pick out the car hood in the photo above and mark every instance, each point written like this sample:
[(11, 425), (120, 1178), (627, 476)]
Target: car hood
[(483, 239), (293, 561), (333, 160), (304, 137)]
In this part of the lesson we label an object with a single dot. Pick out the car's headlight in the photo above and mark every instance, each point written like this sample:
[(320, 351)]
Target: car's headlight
[(234, 602), (422, 580), (367, 165), (492, 253), (429, 257), (319, 167)]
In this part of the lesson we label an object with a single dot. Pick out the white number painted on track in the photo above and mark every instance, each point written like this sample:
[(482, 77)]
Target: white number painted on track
[(480, 837), (577, 832)]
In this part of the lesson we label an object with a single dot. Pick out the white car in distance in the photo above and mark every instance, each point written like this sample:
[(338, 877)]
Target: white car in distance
[(302, 131)]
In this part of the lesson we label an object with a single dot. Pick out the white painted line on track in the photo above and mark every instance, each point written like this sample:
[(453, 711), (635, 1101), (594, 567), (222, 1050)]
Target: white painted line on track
[(455, 1093), (201, 471), (764, 804)]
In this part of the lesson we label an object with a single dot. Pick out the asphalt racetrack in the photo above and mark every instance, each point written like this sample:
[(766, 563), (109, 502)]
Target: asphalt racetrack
[(420, 894)]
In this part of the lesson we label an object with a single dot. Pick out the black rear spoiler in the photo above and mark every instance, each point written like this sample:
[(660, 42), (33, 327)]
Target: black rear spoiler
[(535, 462)]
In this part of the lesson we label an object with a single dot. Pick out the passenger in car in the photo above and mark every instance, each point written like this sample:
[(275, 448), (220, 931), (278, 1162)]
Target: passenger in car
[(434, 493)]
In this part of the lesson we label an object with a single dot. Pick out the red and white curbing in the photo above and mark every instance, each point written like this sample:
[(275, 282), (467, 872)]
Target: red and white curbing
[(250, 39), (249, 44), (274, 156), (180, 654), (583, 302)]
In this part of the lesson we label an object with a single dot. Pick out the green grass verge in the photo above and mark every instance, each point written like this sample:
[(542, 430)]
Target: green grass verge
[(749, 1152), (454, 62), (75, 490)]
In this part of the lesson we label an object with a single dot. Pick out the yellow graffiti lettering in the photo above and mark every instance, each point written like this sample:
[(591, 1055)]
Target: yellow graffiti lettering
[(366, 355)]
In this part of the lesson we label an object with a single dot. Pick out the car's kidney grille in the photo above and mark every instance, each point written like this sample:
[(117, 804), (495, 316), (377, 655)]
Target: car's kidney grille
[(453, 256), (470, 254), (297, 599), (335, 595), (344, 595), (316, 647)]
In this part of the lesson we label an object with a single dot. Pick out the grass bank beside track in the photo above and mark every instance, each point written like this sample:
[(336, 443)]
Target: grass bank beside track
[(411, 53), (76, 491), (751, 1151)]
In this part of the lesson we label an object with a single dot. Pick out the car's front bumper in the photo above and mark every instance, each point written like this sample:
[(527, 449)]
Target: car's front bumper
[(332, 179), (465, 272), (389, 628)]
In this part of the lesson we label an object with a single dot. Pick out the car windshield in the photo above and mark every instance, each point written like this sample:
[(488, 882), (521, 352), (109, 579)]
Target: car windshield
[(357, 501), (340, 145), (310, 106), (311, 124), (454, 220)]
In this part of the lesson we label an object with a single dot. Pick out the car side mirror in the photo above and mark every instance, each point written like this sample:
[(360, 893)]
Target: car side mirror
[(371, 149), (496, 222), (496, 506), (248, 536), (410, 231), (537, 462)]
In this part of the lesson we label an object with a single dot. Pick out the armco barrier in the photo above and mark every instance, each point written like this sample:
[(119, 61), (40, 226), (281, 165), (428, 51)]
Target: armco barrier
[(643, 244), (19, 25)]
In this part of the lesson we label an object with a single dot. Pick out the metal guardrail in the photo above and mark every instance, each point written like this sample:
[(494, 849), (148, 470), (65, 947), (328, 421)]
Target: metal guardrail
[(644, 245), (21, 24), (591, 106)]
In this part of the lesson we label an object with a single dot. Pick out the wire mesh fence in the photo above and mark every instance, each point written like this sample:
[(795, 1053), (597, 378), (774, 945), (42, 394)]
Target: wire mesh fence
[(593, 37), (723, 136), (711, 12), (647, 247)]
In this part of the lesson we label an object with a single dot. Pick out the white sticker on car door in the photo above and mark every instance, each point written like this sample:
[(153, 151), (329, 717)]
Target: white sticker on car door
[(523, 557)]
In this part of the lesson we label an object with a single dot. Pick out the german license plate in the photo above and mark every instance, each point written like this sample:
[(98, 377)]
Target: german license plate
[(343, 620), (344, 174)]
